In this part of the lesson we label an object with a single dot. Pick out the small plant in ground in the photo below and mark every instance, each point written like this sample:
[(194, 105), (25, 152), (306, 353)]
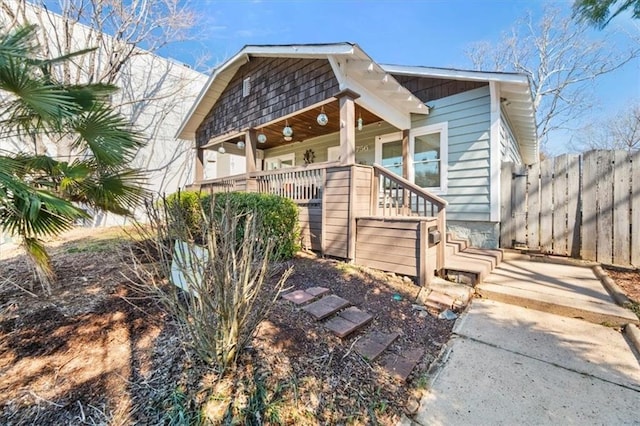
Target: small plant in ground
[(179, 410), (633, 307), (218, 297)]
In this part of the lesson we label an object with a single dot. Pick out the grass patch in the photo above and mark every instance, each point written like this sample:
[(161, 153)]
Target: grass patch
[(94, 245), (633, 307)]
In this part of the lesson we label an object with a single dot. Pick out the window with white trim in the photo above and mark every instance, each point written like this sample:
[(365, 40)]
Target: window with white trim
[(428, 157), (280, 162)]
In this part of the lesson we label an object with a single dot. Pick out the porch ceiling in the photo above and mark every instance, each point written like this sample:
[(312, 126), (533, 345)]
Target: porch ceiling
[(305, 125)]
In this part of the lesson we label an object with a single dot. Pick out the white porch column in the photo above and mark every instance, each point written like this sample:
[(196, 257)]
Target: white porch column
[(347, 126), (250, 150)]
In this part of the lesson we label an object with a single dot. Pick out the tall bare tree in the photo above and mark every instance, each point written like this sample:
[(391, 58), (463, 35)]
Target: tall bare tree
[(154, 92), (620, 130), (561, 60)]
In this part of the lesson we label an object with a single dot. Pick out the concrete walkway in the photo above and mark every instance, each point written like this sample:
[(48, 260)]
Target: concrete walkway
[(509, 364)]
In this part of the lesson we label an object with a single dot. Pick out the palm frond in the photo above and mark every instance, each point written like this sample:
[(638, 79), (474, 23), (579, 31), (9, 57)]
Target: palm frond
[(34, 96), (40, 259), (38, 213), (86, 95), (108, 135), (19, 43), (118, 191)]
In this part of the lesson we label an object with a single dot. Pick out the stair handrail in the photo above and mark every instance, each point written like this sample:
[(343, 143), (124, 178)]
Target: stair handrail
[(441, 203)]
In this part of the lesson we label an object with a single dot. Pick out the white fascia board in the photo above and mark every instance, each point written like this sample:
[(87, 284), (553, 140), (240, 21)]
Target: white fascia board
[(368, 99), (300, 50), (379, 107), (513, 78)]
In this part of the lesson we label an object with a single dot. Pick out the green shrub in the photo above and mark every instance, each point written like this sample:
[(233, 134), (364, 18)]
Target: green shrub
[(277, 214), (186, 208)]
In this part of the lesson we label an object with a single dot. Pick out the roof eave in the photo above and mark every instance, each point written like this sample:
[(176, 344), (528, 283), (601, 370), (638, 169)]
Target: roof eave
[(456, 74), (187, 128)]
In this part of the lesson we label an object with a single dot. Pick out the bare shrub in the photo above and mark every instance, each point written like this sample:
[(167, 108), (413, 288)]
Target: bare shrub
[(211, 278)]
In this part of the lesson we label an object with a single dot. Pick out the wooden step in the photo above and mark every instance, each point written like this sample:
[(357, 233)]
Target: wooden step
[(372, 345), (472, 265), (459, 242), (346, 322), (326, 306)]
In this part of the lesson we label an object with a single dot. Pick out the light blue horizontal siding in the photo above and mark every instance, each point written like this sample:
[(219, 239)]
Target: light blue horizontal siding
[(469, 120), (508, 147)]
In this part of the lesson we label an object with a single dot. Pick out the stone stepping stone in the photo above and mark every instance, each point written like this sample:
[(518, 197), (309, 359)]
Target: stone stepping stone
[(439, 300), (326, 306), (348, 321), (374, 344), (300, 297), (400, 366)]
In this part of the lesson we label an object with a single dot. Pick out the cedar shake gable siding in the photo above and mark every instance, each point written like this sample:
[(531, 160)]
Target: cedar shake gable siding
[(428, 89), (279, 86)]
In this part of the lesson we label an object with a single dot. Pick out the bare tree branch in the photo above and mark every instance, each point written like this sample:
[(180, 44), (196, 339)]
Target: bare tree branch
[(562, 63), (618, 131), (154, 92)]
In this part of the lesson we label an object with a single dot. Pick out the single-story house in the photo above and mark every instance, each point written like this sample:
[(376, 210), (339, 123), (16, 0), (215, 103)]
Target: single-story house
[(365, 148)]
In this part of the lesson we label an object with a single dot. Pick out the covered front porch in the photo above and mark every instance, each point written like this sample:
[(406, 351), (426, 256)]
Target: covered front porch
[(364, 214), (330, 129)]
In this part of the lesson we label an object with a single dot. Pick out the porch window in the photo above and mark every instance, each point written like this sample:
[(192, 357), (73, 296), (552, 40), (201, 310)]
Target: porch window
[(428, 151), (280, 162)]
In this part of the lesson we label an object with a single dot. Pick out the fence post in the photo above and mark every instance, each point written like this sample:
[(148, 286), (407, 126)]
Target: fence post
[(589, 211), (506, 218), (635, 210), (621, 208), (546, 205), (605, 207), (560, 205), (519, 204), (574, 204), (533, 207)]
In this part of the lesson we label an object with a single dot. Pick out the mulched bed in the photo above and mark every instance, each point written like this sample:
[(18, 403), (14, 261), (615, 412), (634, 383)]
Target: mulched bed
[(98, 352), (628, 281)]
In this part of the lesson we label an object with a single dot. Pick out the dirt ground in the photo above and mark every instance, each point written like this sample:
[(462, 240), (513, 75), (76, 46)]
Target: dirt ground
[(97, 352), (629, 282)]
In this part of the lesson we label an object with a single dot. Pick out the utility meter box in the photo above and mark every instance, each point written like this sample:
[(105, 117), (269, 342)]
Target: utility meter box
[(434, 236)]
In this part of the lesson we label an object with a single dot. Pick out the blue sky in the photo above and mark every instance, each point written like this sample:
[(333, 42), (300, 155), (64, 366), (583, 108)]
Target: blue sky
[(409, 32)]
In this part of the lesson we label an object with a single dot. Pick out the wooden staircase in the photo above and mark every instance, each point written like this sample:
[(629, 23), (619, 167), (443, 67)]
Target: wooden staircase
[(468, 265)]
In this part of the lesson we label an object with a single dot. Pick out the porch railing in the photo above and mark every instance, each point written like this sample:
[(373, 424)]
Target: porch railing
[(396, 196), (390, 196), (300, 184), (226, 184)]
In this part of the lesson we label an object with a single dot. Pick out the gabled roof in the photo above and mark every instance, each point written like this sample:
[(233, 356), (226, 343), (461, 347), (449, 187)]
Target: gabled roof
[(379, 91)]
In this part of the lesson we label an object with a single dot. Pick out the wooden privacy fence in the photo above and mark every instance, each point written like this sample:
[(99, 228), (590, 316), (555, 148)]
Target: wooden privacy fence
[(585, 206)]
